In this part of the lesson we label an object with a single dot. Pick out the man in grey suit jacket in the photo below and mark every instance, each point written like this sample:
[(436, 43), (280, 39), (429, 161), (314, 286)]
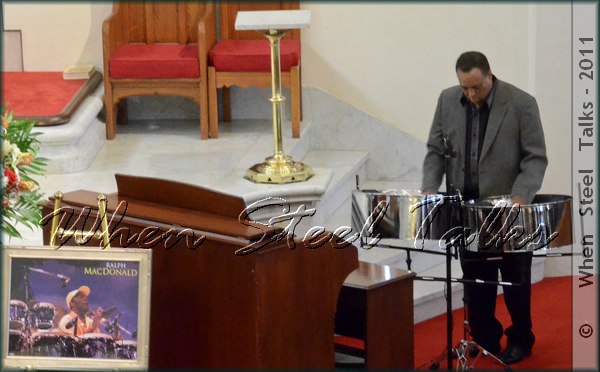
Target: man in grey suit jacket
[(487, 139)]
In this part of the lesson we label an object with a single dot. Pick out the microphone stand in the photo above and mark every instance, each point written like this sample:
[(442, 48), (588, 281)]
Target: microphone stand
[(450, 243), (449, 152), (464, 344), (29, 296)]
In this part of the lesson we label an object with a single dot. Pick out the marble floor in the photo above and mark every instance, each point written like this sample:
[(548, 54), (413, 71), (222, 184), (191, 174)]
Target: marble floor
[(173, 150)]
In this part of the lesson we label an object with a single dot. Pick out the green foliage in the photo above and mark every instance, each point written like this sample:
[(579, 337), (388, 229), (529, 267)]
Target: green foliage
[(21, 198)]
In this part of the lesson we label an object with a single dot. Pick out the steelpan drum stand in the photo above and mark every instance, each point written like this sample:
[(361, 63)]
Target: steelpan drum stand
[(548, 218), (463, 347), (459, 242), (453, 242), (463, 350)]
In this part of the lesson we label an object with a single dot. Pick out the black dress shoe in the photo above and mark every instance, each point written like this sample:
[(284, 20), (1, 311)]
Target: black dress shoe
[(514, 354)]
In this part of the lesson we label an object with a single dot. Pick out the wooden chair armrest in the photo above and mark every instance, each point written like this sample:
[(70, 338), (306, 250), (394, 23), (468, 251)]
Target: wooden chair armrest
[(112, 36), (206, 37)]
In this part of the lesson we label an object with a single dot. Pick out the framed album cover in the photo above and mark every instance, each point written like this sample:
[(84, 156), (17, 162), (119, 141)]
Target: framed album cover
[(75, 308)]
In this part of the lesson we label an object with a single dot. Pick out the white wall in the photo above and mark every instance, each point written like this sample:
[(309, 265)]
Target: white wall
[(391, 60), (57, 34), (552, 76), (387, 59)]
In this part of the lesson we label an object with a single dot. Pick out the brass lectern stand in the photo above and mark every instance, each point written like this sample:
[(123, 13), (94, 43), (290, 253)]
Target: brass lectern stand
[(279, 168)]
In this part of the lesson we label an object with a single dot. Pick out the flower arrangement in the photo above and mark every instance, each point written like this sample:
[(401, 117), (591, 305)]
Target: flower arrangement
[(21, 198)]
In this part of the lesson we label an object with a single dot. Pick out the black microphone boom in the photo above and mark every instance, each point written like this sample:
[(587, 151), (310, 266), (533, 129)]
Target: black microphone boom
[(71, 323), (450, 150)]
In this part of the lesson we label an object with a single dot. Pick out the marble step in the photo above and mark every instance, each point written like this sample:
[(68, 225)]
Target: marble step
[(345, 166), (73, 146), (322, 195)]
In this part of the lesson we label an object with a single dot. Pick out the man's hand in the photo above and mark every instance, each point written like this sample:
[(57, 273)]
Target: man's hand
[(518, 200), (96, 318), (97, 315)]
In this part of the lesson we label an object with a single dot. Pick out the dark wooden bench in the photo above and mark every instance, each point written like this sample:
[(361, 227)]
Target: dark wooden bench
[(374, 317)]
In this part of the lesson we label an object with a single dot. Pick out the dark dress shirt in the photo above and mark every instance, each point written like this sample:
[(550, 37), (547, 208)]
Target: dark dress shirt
[(477, 119)]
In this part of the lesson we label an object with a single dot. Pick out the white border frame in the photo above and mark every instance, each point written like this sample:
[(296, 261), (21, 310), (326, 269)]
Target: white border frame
[(142, 256)]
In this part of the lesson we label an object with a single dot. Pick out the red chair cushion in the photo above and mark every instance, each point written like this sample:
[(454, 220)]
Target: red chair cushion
[(252, 55), (155, 61)]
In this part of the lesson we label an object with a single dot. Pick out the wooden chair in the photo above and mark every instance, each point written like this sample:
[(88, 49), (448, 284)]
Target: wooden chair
[(153, 47), (242, 58)]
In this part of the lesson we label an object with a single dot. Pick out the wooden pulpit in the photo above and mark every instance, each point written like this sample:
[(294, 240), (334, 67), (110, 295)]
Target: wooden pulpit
[(225, 292)]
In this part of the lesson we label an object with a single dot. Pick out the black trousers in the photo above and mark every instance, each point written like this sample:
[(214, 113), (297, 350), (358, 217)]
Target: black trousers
[(480, 298)]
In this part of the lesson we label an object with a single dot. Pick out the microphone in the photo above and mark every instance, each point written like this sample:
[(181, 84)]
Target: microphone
[(450, 150), (64, 279), (71, 323)]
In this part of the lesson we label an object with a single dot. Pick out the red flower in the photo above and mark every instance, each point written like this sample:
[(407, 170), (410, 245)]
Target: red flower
[(13, 179)]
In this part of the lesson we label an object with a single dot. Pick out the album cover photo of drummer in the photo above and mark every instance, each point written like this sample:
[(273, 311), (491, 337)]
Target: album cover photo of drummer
[(73, 308)]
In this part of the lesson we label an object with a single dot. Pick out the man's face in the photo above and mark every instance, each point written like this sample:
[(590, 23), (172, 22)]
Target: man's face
[(80, 303), (475, 85)]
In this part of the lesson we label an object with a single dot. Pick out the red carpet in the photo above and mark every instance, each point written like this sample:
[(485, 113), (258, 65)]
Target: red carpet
[(552, 325), (37, 93), (45, 96)]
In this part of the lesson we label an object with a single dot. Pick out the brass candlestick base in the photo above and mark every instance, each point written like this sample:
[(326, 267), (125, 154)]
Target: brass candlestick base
[(279, 169)]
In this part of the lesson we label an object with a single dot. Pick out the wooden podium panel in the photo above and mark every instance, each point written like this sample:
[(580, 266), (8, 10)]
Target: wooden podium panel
[(376, 305), (211, 307)]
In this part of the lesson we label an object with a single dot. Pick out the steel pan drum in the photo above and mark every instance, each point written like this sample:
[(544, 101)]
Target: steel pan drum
[(52, 344), (493, 224), (43, 315), (18, 314), (126, 349), (403, 215), (96, 345), (16, 342)]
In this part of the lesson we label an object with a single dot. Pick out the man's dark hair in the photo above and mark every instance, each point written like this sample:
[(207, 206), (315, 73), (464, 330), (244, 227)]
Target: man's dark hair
[(470, 60)]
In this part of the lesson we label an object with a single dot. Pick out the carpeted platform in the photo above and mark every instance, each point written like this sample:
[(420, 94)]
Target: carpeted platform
[(45, 97), (551, 312), (50, 100)]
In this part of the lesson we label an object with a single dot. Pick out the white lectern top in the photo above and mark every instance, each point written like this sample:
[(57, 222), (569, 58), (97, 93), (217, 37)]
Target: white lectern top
[(272, 19)]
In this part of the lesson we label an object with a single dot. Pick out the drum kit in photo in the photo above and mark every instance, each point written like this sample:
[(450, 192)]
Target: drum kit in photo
[(33, 332)]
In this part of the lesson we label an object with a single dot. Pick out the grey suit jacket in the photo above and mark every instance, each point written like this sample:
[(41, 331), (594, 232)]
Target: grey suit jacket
[(513, 158)]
